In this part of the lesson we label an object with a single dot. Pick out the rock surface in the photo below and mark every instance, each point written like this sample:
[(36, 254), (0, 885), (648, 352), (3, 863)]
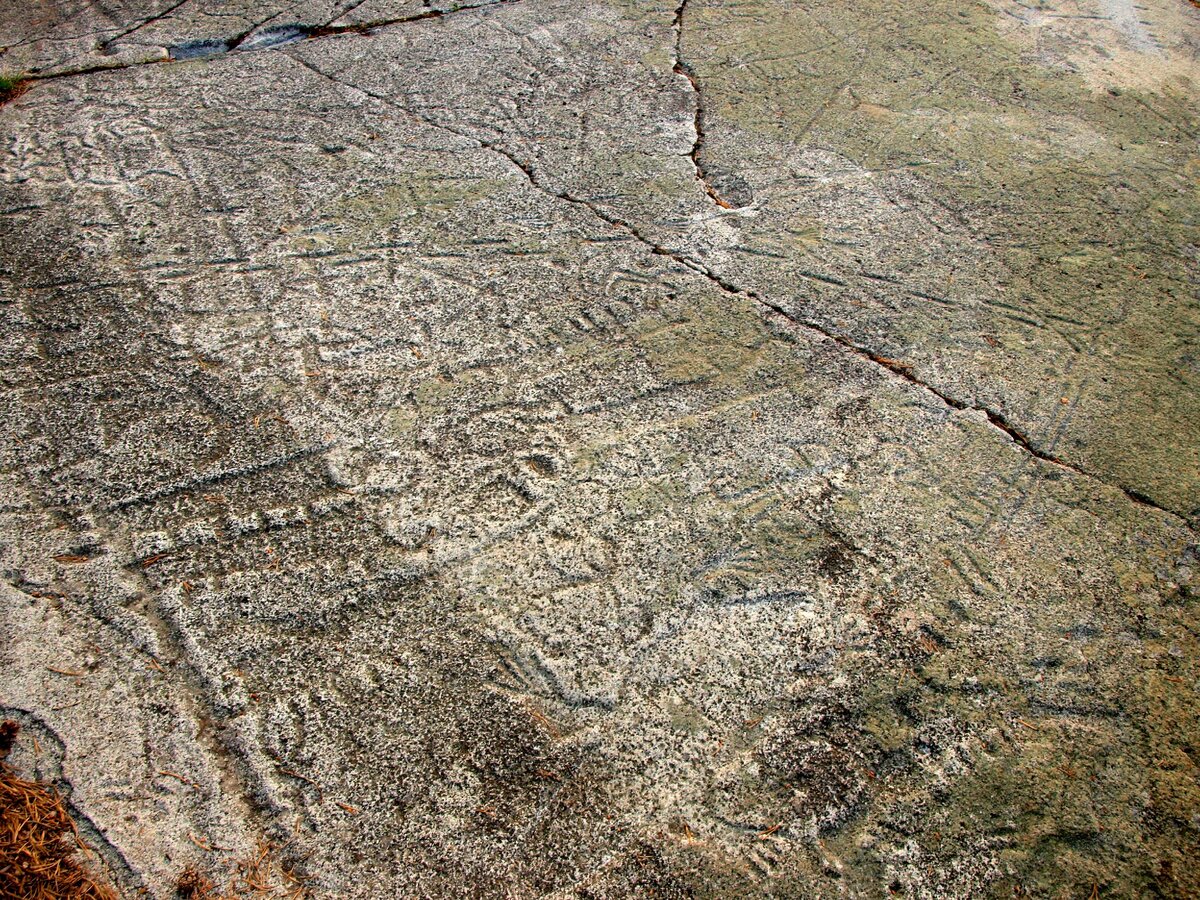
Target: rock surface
[(615, 449)]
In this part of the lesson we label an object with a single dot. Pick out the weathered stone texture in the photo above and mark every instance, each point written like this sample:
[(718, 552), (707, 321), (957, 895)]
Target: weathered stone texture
[(596, 450)]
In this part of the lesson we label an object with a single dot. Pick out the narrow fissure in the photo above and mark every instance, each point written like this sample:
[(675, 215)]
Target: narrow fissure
[(680, 67), (246, 41)]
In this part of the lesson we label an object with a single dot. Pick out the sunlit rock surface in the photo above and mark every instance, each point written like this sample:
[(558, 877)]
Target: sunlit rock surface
[(609, 449)]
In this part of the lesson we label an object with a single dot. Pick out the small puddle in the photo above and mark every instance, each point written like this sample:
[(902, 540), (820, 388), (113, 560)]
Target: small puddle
[(268, 38), (198, 49)]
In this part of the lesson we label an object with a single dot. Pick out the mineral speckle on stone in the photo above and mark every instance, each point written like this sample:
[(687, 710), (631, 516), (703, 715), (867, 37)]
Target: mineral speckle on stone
[(605, 450)]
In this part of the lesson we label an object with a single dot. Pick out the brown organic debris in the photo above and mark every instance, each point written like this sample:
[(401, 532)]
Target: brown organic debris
[(12, 87), (260, 876), (39, 842), (193, 884)]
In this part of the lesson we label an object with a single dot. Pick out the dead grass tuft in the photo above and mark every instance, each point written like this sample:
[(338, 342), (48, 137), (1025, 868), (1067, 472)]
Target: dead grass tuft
[(40, 846)]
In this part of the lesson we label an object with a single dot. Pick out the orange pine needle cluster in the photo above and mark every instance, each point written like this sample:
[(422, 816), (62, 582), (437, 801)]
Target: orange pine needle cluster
[(39, 843)]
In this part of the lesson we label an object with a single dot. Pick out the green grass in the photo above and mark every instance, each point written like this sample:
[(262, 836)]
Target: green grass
[(11, 86)]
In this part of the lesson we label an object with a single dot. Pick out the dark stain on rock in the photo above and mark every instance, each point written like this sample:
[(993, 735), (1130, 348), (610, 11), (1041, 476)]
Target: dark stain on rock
[(198, 49)]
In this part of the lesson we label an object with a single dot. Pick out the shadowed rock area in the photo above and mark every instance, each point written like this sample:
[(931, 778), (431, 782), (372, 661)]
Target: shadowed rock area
[(622, 449)]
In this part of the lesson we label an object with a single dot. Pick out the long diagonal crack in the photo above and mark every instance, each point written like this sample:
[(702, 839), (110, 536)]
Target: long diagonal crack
[(994, 418), (997, 419)]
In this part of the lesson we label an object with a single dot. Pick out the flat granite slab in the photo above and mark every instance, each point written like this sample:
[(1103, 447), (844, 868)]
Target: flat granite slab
[(607, 450)]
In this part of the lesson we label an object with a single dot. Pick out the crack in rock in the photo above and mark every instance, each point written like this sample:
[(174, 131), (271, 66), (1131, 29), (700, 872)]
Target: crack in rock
[(680, 67), (247, 41), (994, 418), (105, 46)]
